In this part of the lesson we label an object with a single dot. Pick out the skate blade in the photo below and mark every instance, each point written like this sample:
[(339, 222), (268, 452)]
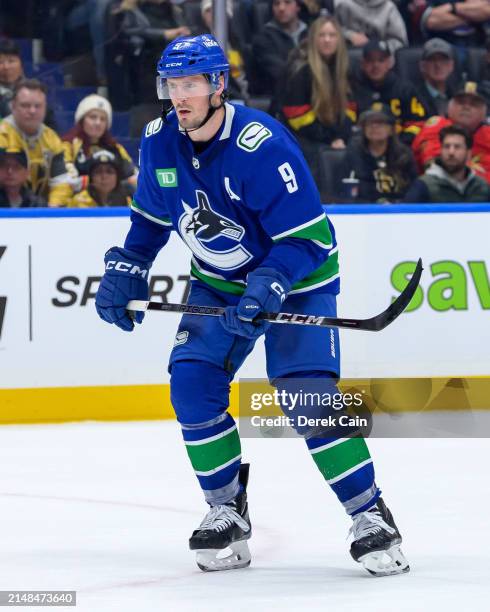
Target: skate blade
[(235, 556), (385, 562)]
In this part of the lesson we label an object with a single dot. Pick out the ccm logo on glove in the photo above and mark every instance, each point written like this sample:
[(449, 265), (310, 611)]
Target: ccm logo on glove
[(279, 290), (122, 266)]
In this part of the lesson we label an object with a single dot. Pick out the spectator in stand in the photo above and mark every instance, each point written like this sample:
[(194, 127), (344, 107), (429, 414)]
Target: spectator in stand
[(92, 13), (377, 164), (467, 109), (449, 178), (272, 46), (11, 72), (90, 134), (438, 83), (365, 20), (376, 82), (237, 83), (14, 177), (312, 9), (314, 98), (24, 130), (105, 187), (411, 12), (460, 23), (139, 30), (484, 84)]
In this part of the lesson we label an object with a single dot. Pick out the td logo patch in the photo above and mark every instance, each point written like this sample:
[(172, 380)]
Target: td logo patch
[(167, 177)]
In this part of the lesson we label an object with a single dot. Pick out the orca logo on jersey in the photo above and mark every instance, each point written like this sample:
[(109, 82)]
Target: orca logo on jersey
[(201, 225)]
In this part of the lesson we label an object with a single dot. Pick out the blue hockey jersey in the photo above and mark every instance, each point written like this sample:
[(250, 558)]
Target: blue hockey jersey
[(247, 200)]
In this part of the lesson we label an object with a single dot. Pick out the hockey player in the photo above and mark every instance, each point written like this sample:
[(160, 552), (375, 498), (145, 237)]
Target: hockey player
[(233, 184)]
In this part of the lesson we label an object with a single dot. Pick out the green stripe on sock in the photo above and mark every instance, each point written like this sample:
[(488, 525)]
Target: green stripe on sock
[(338, 459), (210, 455)]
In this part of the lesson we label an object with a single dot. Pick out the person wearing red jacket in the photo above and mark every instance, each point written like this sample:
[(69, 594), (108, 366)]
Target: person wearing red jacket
[(467, 109)]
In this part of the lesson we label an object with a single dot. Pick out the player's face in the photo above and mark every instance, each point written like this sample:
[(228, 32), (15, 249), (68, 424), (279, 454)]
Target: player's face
[(376, 65), (190, 98), (437, 68), (467, 111), (10, 68), (29, 109), (104, 178), (327, 40), (454, 153), (94, 124)]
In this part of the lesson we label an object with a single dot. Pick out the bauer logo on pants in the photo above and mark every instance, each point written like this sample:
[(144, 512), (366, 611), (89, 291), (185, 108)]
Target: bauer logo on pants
[(181, 338)]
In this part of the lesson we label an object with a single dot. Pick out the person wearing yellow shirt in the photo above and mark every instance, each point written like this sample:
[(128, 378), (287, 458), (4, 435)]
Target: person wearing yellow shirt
[(25, 130)]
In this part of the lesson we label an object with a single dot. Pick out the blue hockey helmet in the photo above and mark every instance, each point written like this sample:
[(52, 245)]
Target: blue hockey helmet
[(191, 55)]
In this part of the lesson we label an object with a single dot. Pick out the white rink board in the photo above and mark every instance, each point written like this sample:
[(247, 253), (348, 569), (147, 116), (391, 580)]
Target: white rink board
[(71, 346)]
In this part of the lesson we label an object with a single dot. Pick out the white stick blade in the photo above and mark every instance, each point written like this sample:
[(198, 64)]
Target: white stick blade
[(137, 305)]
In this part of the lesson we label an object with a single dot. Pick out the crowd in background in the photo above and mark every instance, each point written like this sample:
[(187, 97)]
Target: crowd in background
[(388, 100)]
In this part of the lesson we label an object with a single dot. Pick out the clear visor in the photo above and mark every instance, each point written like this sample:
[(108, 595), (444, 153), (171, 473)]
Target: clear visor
[(183, 87)]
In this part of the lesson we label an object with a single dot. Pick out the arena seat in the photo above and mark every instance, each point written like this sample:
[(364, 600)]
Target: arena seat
[(50, 73), (68, 98), (132, 146), (25, 46)]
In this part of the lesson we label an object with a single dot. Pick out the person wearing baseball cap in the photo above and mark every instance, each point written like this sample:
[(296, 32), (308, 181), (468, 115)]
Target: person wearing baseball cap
[(91, 133), (384, 167), (14, 180), (25, 129), (375, 82), (450, 178), (438, 80), (467, 109), (105, 186)]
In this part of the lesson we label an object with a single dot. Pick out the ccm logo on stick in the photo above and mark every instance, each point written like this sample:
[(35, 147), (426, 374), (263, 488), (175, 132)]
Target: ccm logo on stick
[(312, 319), (122, 266)]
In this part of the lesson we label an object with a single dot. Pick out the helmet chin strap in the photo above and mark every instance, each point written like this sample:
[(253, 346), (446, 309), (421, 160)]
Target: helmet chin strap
[(211, 110)]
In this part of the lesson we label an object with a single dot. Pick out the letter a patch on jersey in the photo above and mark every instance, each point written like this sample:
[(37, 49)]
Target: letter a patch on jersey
[(252, 136)]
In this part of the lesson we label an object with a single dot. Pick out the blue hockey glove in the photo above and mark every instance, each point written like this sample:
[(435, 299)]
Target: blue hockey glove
[(266, 291), (125, 278)]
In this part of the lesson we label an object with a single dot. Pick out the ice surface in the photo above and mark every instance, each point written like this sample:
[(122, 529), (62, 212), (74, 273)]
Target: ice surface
[(107, 509)]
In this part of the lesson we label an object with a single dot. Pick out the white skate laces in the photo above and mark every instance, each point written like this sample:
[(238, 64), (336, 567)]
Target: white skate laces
[(368, 523), (221, 517)]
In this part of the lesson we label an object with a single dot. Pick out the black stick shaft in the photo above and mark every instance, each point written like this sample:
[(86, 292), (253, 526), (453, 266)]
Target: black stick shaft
[(375, 323)]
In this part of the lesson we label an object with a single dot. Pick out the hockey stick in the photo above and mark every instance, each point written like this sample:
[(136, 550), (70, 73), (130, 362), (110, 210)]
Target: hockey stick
[(376, 323)]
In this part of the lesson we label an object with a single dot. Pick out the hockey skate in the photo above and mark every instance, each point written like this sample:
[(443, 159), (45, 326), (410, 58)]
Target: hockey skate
[(220, 541), (377, 542)]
